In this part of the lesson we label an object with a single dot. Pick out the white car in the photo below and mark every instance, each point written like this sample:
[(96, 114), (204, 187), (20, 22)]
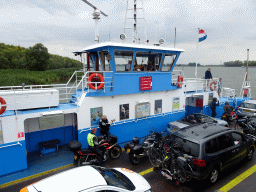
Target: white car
[(92, 178)]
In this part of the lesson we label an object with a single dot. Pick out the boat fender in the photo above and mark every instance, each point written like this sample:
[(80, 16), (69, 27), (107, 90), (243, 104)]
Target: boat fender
[(180, 80), (3, 103), (101, 80), (213, 87)]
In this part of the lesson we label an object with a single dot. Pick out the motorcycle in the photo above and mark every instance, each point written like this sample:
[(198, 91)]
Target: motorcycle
[(248, 125), (88, 157), (229, 117), (137, 150)]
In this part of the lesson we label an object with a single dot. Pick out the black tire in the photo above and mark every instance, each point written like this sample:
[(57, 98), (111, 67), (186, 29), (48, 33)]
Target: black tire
[(214, 175), (250, 154), (115, 152), (75, 162), (134, 160), (179, 172), (155, 157)]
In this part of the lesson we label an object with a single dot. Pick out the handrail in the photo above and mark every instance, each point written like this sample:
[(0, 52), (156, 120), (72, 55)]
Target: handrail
[(18, 143)]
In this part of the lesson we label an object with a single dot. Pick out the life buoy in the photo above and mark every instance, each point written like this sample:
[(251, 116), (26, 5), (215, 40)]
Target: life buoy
[(213, 88), (101, 80), (3, 108), (180, 80)]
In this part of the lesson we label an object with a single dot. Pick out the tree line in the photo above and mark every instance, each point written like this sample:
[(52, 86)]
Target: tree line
[(34, 58), (238, 63)]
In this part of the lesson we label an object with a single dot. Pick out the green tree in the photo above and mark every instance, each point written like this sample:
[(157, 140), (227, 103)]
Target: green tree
[(37, 57)]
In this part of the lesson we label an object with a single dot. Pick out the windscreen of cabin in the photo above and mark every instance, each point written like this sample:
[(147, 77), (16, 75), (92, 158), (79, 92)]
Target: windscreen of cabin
[(147, 61), (105, 58), (92, 62), (123, 60), (168, 61)]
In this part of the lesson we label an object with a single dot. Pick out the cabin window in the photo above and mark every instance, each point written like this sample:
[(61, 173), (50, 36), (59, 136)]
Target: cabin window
[(168, 61), (158, 106), (124, 111), (1, 134), (176, 104), (147, 61), (123, 60), (96, 115), (105, 58), (142, 110), (92, 62)]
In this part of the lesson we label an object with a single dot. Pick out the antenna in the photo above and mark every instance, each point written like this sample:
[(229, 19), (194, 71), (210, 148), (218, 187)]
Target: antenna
[(134, 8), (96, 17)]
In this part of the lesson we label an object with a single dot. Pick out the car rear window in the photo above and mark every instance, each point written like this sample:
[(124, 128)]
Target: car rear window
[(248, 105), (115, 178), (186, 146)]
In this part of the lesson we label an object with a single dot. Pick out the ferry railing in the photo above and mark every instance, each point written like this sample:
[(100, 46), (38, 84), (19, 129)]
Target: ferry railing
[(176, 74), (198, 84)]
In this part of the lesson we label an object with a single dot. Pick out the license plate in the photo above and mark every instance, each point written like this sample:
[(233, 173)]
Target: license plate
[(224, 116), (247, 110), (128, 150), (174, 129), (75, 157)]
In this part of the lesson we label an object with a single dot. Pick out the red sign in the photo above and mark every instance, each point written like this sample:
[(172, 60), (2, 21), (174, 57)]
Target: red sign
[(145, 83), (20, 134)]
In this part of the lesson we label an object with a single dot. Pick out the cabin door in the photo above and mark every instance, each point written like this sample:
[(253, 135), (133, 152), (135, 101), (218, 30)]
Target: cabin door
[(194, 104)]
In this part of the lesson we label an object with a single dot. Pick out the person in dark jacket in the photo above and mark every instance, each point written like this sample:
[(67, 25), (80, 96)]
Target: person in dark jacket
[(208, 76), (94, 143), (213, 106), (104, 126)]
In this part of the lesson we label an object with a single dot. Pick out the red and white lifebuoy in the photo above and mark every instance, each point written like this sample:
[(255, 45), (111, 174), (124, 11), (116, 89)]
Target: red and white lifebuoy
[(90, 81), (180, 80), (214, 85), (3, 103)]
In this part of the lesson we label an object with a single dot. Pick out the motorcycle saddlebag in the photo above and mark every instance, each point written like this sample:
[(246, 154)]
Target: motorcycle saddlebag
[(74, 145), (113, 139), (138, 149)]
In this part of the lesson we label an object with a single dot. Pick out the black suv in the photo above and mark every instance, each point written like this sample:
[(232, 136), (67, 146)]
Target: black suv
[(213, 148)]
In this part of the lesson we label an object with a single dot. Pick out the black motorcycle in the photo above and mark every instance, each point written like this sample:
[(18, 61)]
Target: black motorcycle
[(137, 150), (248, 125), (88, 157)]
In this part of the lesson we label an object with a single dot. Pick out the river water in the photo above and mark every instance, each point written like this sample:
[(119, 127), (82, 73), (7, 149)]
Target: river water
[(231, 76)]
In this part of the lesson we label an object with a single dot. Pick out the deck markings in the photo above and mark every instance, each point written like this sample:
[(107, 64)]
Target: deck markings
[(33, 176), (238, 179), (146, 171)]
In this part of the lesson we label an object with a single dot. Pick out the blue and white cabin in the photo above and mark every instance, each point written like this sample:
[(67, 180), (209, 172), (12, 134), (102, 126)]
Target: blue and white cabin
[(134, 84)]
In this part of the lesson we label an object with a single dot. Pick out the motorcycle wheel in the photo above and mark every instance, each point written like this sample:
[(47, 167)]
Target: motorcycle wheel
[(155, 157), (75, 162), (134, 160), (179, 172), (115, 152)]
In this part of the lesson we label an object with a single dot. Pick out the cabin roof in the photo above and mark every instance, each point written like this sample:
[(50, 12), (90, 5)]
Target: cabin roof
[(138, 46)]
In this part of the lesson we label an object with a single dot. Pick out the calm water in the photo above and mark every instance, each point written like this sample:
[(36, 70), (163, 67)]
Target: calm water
[(231, 76)]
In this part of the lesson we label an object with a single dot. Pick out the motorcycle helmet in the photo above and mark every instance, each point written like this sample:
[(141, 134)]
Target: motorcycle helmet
[(135, 140), (214, 99)]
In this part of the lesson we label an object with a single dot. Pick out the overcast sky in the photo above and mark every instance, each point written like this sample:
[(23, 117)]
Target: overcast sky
[(64, 26)]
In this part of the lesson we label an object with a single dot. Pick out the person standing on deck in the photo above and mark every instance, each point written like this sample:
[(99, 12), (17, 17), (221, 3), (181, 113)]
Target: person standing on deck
[(208, 76), (213, 106), (104, 126)]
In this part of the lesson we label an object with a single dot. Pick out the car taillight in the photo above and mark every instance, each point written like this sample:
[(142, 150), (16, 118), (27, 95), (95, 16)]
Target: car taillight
[(199, 162)]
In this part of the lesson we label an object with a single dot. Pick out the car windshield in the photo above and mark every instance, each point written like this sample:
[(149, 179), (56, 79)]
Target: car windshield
[(115, 178), (186, 146)]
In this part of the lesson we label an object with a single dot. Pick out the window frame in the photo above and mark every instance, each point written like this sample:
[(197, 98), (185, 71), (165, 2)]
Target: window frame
[(163, 59), (125, 64)]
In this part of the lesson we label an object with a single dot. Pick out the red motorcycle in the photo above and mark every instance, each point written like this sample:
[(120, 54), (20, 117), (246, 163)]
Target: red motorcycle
[(87, 157), (232, 117)]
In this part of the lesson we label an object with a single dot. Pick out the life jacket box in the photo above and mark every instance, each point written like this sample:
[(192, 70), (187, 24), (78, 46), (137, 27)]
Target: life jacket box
[(138, 149), (74, 145), (113, 139)]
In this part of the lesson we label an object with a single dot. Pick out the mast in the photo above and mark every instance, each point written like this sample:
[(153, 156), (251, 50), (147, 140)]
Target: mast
[(246, 88)]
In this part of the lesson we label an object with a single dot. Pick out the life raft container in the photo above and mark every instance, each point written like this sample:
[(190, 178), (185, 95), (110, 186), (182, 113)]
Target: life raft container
[(214, 85), (3, 108), (180, 80), (101, 80)]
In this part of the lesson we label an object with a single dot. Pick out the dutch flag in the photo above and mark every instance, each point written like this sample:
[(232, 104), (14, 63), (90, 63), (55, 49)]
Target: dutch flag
[(202, 35)]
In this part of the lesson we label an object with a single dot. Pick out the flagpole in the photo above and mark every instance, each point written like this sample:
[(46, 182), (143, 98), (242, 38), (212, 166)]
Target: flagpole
[(197, 52)]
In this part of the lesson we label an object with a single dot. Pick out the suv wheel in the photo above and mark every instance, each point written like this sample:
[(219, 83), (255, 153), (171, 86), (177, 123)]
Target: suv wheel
[(214, 175), (250, 154)]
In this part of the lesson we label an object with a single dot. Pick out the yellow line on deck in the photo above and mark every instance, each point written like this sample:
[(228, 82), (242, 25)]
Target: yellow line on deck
[(146, 171), (238, 179), (33, 176)]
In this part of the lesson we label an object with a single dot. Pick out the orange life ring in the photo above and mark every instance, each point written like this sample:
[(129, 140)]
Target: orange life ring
[(180, 80), (101, 80), (3, 108), (213, 82)]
